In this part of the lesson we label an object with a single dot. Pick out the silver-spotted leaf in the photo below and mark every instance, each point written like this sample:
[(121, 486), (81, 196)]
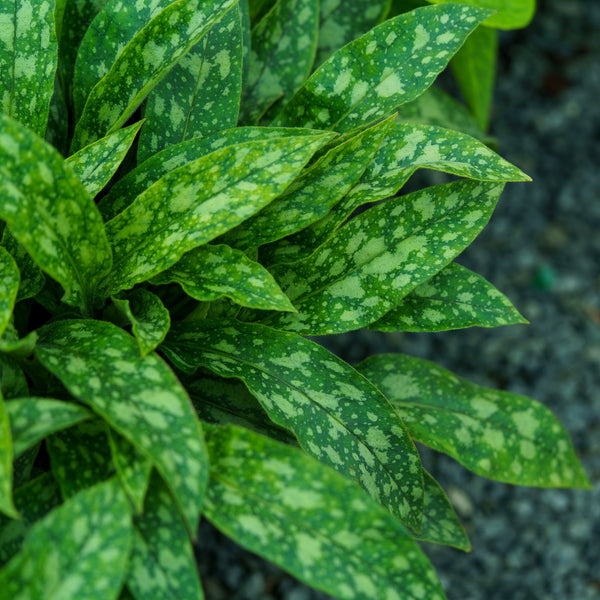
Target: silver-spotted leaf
[(497, 434), (380, 256), (454, 298), (31, 277), (28, 57), (149, 319), (280, 503), (50, 213), (195, 203), (392, 64), (97, 163), (32, 419), (6, 464), (162, 564), (138, 397), (142, 64), (282, 50), (77, 551), (337, 416), (9, 287), (510, 14), (200, 94), (212, 271)]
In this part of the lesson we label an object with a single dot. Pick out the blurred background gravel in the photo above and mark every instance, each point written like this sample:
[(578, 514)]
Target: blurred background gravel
[(542, 249)]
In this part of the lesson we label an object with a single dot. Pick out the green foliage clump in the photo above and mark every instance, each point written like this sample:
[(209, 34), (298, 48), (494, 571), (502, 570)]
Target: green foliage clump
[(179, 193)]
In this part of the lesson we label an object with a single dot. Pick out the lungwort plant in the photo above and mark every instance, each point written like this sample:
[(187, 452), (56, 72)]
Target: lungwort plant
[(179, 185)]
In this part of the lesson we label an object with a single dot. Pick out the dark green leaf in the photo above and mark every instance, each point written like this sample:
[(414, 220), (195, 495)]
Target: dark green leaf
[(17, 348), (511, 14), (12, 380), (497, 434), (32, 279), (9, 286)]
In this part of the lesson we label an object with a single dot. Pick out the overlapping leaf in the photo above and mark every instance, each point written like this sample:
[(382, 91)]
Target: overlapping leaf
[(10, 344), (6, 464), (200, 94), (79, 550), (28, 56), (337, 416), (370, 264), (9, 286), (12, 380), (31, 278), (282, 504), (139, 397), (212, 271), (454, 298), (199, 201), (97, 163), (392, 64), (498, 434), (50, 213), (145, 60), (510, 14), (282, 50)]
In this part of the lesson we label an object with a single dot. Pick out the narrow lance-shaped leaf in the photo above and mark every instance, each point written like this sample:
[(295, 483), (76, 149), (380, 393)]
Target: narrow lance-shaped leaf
[(79, 550), (31, 277), (392, 64), (375, 260), (97, 163), (28, 56), (146, 59), (282, 50), (200, 94), (454, 298), (497, 434), (194, 204), (6, 464), (9, 286), (50, 213), (284, 505), (138, 397), (210, 272), (510, 14), (337, 416)]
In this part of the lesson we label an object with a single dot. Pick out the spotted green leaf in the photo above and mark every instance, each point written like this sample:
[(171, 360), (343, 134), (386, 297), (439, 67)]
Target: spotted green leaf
[(133, 469), (78, 550), (454, 298), (200, 94), (97, 163), (375, 260), (392, 64), (6, 464), (34, 500), (209, 272), (146, 59), (12, 380), (312, 194), (407, 147), (32, 419), (510, 14), (57, 130), (337, 416), (280, 503), (342, 22), (474, 67), (162, 564), (440, 523), (50, 213), (9, 286), (31, 277), (28, 55), (149, 319), (195, 203), (138, 397), (126, 190), (282, 50), (497, 434)]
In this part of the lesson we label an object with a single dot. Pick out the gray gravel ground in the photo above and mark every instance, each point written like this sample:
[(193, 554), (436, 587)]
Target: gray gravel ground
[(542, 248)]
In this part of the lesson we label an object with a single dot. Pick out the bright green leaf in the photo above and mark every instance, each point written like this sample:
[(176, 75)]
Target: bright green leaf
[(31, 278), (77, 551), (32, 419), (392, 64), (9, 286), (209, 272), (511, 14), (497, 434), (139, 397), (17, 348), (195, 203), (6, 464), (28, 55), (454, 298), (380, 256), (200, 94), (337, 416), (280, 503), (97, 163), (50, 213)]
